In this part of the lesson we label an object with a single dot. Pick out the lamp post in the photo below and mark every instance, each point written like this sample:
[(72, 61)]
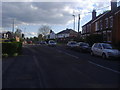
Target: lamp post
[(13, 22), (13, 26), (78, 24), (74, 22)]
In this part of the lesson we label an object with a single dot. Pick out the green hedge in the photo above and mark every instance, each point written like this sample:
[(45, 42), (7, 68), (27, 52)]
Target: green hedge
[(11, 47), (94, 38)]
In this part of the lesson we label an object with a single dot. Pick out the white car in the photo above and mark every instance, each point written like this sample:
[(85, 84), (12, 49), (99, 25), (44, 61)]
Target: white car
[(105, 50), (52, 43), (72, 44)]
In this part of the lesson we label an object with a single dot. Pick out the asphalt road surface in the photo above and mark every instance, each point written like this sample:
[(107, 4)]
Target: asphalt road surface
[(41, 66)]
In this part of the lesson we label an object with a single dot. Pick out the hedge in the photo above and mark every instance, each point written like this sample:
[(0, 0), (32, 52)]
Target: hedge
[(11, 47), (94, 38)]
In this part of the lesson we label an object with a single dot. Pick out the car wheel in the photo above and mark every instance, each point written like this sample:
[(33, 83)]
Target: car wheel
[(92, 53), (104, 56)]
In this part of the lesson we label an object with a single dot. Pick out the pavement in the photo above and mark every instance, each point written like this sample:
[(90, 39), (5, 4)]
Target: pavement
[(41, 66)]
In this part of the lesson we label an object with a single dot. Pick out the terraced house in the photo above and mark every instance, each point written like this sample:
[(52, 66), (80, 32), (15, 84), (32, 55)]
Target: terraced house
[(106, 24)]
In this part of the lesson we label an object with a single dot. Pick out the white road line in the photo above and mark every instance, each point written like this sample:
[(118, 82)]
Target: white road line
[(68, 54), (71, 55), (104, 67), (39, 72), (59, 51)]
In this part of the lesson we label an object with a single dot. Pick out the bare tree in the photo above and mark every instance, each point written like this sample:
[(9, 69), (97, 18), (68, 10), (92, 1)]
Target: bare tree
[(44, 30), (40, 37)]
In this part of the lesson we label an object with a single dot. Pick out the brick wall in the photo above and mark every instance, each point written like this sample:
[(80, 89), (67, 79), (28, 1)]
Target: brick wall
[(116, 28)]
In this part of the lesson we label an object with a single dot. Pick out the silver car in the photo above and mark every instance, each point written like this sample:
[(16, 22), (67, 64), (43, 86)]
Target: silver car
[(105, 50), (72, 44), (52, 43)]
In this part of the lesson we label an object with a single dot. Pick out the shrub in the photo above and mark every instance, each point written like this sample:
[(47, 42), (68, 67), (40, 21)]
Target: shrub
[(95, 38), (11, 47)]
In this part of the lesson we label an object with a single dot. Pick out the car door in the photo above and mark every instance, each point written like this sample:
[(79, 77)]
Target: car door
[(94, 49), (99, 50)]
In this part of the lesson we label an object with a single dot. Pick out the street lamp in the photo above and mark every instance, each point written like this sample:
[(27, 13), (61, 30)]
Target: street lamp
[(74, 22), (78, 24), (13, 26)]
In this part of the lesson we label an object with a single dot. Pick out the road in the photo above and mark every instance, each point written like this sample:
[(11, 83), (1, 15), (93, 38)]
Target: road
[(42, 66)]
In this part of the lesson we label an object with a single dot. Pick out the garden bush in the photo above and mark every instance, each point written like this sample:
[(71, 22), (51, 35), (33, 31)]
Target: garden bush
[(11, 47), (94, 38)]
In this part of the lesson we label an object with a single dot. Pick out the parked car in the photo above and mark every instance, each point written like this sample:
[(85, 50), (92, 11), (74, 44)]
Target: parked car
[(72, 44), (52, 43), (29, 42), (43, 42), (105, 50), (84, 47)]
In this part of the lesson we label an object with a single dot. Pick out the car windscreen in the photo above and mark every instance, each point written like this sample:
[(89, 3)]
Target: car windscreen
[(84, 44), (73, 43), (107, 46), (52, 42)]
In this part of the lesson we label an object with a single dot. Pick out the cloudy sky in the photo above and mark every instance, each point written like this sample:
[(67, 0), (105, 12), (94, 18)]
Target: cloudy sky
[(29, 15)]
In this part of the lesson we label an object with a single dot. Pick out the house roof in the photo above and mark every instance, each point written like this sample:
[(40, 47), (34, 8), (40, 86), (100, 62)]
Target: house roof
[(101, 15), (67, 31)]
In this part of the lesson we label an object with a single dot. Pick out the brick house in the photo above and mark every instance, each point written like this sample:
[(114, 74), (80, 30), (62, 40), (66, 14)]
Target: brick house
[(68, 33), (106, 24), (116, 26)]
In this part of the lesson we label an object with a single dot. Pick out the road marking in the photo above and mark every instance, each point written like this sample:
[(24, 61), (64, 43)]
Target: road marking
[(71, 55), (39, 72), (68, 54), (104, 67), (59, 51)]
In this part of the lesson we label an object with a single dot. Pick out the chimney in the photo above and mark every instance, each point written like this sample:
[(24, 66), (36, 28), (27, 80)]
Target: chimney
[(93, 14), (113, 5), (51, 31)]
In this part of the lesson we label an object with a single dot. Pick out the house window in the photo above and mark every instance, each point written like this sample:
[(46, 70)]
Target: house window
[(97, 26), (106, 22), (84, 29), (101, 26), (111, 21), (109, 37), (87, 28)]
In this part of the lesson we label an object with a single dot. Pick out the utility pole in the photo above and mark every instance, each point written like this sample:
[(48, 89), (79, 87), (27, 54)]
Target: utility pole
[(13, 36), (13, 26), (74, 22), (24, 32), (78, 24)]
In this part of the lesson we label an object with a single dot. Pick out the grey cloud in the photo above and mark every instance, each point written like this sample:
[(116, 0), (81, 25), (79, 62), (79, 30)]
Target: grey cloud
[(45, 13), (42, 12)]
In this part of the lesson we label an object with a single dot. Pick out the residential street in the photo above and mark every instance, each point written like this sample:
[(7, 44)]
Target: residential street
[(41, 66)]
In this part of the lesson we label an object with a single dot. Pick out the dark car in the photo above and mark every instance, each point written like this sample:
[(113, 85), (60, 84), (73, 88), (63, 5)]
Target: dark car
[(42, 42), (84, 47)]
